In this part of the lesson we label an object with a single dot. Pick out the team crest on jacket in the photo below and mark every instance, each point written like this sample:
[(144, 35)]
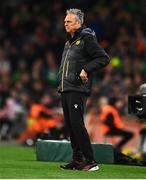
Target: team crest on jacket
[(78, 42), (76, 106)]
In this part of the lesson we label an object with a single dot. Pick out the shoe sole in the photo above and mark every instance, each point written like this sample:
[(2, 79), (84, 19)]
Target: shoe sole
[(95, 168)]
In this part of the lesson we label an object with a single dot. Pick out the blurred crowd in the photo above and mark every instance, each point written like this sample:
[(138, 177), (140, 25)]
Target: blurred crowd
[(32, 38)]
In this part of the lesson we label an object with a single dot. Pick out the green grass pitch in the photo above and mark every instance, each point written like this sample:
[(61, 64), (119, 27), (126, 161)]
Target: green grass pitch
[(19, 162)]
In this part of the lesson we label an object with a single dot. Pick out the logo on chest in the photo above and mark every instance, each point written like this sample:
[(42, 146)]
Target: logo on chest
[(78, 42), (76, 106)]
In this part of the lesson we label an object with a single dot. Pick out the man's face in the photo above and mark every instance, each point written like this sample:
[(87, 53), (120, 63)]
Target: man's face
[(71, 23)]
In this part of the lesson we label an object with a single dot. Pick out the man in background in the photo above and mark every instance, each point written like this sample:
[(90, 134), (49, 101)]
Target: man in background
[(112, 124)]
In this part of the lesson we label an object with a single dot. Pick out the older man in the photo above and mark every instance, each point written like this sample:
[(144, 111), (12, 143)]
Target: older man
[(82, 56)]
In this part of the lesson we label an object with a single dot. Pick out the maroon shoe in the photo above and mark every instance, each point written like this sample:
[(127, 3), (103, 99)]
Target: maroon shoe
[(88, 166)]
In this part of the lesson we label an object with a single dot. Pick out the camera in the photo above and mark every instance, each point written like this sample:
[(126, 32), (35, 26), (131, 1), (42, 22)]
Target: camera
[(137, 107), (137, 103)]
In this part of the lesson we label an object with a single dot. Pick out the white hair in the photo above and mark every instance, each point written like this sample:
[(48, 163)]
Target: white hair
[(79, 14)]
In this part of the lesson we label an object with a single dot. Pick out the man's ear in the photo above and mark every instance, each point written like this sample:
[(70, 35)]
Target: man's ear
[(78, 23)]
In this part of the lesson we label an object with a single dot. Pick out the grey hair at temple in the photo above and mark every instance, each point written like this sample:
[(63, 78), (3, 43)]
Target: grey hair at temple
[(79, 14)]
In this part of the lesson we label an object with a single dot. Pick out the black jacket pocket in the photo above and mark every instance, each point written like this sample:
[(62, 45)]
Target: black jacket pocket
[(74, 78)]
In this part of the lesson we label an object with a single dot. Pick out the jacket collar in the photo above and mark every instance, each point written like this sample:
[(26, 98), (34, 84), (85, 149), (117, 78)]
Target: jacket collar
[(76, 34)]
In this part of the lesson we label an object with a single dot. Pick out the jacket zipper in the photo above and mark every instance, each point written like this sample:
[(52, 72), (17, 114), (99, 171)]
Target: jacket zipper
[(62, 83), (64, 68), (67, 68)]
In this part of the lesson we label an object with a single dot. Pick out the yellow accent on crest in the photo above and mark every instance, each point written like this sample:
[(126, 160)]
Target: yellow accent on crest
[(78, 42)]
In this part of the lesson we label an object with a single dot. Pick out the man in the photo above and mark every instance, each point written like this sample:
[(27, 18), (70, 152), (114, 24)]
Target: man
[(82, 55), (112, 124)]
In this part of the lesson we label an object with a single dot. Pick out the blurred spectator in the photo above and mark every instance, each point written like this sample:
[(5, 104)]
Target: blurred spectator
[(112, 124), (5, 67), (42, 117), (50, 69), (12, 117)]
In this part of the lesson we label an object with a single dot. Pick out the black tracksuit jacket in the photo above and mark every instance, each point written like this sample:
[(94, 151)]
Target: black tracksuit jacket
[(80, 52)]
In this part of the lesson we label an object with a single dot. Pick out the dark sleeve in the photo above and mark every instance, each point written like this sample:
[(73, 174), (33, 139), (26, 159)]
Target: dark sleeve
[(98, 57)]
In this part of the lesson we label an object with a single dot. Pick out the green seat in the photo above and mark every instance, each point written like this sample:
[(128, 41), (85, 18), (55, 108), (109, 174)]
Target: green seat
[(52, 150)]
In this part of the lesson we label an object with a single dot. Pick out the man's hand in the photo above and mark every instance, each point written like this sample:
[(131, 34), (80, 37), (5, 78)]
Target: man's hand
[(83, 75)]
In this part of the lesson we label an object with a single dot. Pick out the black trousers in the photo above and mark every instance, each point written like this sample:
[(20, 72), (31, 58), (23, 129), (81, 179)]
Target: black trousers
[(73, 104), (125, 134)]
